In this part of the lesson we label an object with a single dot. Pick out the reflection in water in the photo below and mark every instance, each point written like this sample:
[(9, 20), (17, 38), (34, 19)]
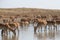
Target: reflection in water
[(51, 34), (14, 38), (45, 35), (9, 37), (4, 37), (27, 33)]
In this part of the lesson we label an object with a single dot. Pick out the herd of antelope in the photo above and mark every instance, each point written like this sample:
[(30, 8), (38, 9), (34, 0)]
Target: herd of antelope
[(39, 22)]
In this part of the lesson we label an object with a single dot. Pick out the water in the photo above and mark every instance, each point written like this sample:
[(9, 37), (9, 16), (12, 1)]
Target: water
[(27, 33)]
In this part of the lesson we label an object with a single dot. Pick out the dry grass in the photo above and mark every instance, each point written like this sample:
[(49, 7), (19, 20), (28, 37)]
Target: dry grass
[(28, 11)]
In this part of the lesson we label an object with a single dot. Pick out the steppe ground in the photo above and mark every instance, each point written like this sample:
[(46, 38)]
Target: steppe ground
[(28, 11)]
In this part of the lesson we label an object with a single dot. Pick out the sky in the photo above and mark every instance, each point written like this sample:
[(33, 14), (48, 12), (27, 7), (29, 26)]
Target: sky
[(47, 4)]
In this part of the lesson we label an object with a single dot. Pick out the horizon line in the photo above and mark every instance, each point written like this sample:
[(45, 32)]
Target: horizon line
[(29, 7)]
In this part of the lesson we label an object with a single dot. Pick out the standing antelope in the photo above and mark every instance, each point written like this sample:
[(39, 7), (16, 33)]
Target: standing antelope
[(40, 22)]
